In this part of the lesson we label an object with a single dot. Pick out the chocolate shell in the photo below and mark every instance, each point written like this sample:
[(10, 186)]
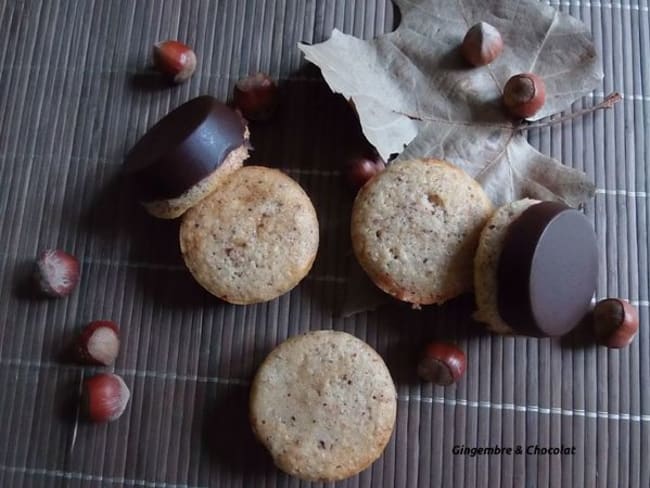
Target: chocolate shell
[(183, 148), (548, 270)]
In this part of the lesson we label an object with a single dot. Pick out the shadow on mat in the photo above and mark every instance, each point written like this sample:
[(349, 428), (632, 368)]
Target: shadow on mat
[(115, 217), (402, 333), (228, 437), (150, 80), (23, 283), (582, 337)]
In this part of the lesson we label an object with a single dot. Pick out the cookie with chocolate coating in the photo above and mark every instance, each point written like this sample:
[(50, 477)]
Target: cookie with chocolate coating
[(183, 157), (536, 269), (486, 263)]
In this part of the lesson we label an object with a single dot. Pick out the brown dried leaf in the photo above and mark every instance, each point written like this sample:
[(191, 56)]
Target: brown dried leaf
[(412, 88)]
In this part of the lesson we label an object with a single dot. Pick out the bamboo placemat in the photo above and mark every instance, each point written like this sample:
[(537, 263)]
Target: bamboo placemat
[(74, 97)]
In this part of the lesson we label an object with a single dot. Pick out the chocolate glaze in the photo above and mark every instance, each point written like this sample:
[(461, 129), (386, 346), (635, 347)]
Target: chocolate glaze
[(548, 270), (184, 147)]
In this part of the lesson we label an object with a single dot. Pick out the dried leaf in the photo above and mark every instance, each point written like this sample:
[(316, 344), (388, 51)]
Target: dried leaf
[(412, 88)]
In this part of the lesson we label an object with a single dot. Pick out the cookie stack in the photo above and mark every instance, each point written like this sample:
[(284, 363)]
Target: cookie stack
[(425, 232), (249, 234), (536, 269)]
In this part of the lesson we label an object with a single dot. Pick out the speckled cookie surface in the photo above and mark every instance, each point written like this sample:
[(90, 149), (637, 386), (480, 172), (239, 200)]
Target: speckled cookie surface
[(486, 264), (415, 228), (324, 405), (253, 239)]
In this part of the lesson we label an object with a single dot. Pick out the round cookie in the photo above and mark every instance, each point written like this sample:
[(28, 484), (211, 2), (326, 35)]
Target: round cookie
[(184, 157), (253, 239), (486, 262), (324, 405), (415, 228)]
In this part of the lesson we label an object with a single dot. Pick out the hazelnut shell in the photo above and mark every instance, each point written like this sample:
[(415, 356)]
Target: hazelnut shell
[(442, 363), (524, 95), (482, 44), (616, 322)]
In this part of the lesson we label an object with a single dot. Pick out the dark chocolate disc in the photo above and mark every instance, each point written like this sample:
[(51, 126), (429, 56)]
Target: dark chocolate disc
[(548, 270), (184, 147)]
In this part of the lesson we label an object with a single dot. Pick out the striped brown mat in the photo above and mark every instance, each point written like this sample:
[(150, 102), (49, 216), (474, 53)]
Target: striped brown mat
[(74, 96)]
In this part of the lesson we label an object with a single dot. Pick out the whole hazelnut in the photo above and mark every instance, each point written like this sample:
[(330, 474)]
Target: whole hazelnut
[(104, 397), (442, 363), (524, 94), (99, 343), (57, 273), (359, 170), (482, 44), (256, 96), (616, 322), (175, 60)]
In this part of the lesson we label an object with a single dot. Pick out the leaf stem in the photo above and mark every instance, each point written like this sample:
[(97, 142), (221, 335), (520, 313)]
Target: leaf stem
[(609, 101)]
